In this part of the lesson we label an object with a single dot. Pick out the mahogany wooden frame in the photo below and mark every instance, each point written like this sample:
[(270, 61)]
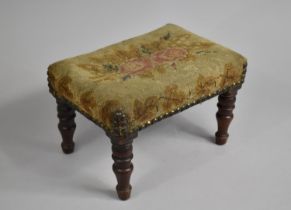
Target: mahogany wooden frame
[(122, 139)]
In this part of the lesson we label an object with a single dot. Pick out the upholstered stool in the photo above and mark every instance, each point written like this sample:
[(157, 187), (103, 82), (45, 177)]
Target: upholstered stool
[(135, 83)]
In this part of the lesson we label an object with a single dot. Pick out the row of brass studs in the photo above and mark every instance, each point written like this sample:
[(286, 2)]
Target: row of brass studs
[(186, 106), (159, 118), (202, 99)]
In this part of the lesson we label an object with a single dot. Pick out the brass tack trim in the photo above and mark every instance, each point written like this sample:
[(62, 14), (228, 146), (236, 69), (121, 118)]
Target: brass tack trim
[(163, 116)]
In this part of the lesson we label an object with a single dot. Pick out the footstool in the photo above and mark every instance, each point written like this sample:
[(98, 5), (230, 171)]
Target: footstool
[(128, 86)]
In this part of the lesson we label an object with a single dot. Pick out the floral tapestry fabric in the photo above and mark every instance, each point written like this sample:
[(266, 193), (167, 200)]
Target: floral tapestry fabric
[(146, 76)]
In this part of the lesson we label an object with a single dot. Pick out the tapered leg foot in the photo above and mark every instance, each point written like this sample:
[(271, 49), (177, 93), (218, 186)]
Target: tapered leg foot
[(123, 194), (122, 167), (224, 116), (67, 125), (68, 148), (121, 140)]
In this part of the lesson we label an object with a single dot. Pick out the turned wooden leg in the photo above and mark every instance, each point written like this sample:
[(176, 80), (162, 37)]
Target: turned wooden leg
[(67, 125), (224, 115), (122, 155), (122, 167)]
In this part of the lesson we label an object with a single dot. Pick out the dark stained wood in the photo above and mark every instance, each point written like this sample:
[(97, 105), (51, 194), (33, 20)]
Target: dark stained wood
[(122, 167), (224, 116), (122, 138), (67, 125), (122, 155)]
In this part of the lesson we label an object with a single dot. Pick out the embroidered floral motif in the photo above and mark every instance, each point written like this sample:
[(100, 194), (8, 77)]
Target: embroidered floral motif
[(140, 60), (170, 54), (173, 97), (229, 75), (143, 64), (145, 50), (136, 66), (204, 85), (146, 110), (110, 67), (156, 73)]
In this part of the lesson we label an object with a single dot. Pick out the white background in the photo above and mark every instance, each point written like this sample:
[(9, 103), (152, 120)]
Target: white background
[(177, 166)]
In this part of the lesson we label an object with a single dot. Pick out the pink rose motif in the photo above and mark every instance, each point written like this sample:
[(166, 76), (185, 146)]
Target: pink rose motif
[(136, 66), (169, 54)]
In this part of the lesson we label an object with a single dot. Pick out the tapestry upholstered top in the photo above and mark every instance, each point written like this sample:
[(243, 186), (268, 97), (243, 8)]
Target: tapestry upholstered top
[(147, 77)]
